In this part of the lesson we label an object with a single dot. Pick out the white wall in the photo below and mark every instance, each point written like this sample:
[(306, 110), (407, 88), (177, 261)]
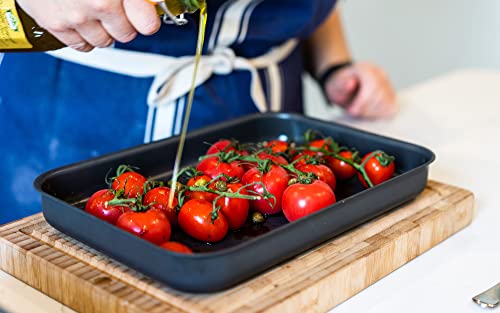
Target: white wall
[(414, 40), (418, 39)]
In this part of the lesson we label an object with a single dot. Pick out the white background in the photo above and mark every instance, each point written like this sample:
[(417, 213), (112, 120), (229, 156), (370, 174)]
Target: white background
[(414, 40)]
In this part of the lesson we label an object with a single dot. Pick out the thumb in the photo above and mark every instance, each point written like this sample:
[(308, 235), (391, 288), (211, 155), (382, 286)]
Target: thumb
[(342, 87)]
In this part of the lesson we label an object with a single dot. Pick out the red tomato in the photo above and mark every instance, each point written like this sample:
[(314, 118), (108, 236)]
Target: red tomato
[(97, 205), (324, 173), (305, 157), (341, 169), (300, 200), (277, 146), (157, 198), (152, 225), (200, 181), (277, 159), (221, 145), (214, 167), (195, 218), (235, 210), (379, 168), (321, 144), (176, 247), (275, 181), (131, 183)]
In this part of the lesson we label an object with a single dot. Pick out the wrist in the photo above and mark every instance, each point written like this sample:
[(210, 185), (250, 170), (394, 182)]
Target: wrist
[(330, 71)]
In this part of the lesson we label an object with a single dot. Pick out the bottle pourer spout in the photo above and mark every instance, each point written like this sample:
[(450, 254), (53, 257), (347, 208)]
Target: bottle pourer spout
[(169, 17)]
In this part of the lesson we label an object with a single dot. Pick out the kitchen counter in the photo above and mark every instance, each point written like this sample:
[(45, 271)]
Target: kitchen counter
[(457, 116)]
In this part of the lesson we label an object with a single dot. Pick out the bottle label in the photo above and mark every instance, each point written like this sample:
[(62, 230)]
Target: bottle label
[(12, 34)]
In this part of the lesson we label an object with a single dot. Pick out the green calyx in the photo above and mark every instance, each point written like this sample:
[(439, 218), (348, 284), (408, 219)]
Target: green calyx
[(384, 159)]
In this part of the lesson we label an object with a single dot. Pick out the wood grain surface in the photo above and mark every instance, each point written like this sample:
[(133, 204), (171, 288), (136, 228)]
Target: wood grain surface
[(316, 281)]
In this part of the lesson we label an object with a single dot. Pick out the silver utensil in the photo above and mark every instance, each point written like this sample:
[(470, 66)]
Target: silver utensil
[(490, 298)]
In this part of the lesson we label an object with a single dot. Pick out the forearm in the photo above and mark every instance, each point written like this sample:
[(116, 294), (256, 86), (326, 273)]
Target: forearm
[(327, 45)]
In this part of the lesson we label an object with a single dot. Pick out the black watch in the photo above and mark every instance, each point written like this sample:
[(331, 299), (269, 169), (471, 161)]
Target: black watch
[(330, 71)]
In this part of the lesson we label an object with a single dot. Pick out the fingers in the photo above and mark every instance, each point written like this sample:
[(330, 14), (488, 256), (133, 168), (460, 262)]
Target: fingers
[(120, 29), (73, 40), (342, 86), (95, 34), (375, 97), (142, 15), (94, 23), (117, 25)]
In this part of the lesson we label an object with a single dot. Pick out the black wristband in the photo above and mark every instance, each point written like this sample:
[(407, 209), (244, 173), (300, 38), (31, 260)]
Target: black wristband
[(330, 71)]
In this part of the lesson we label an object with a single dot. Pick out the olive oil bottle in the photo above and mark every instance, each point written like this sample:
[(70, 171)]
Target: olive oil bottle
[(19, 32)]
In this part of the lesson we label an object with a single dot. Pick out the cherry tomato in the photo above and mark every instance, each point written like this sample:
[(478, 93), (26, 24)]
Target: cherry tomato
[(176, 247), (152, 225), (97, 205), (235, 210), (277, 159), (158, 198), (300, 200), (214, 167), (277, 146), (131, 183), (305, 157), (221, 145), (200, 181), (324, 173), (324, 144), (379, 168), (341, 169), (195, 218), (275, 181)]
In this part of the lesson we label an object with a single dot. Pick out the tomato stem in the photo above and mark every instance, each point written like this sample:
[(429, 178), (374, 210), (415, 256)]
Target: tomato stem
[(358, 167), (302, 177)]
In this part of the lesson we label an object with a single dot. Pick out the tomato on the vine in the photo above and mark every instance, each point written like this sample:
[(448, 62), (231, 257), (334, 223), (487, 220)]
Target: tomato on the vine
[(300, 200), (197, 219), (132, 184), (276, 159), (158, 198), (275, 181), (176, 247), (323, 173), (305, 157), (379, 168), (277, 146), (214, 167), (341, 169), (200, 181), (235, 210), (321, 144), (151, 225), (98, 206), (221, 145)]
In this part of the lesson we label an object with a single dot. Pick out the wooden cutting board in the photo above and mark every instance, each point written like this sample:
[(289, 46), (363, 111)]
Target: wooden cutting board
[(315, 281)]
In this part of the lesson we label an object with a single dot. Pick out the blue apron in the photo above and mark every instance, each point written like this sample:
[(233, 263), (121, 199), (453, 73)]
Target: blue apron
[(54, 112)]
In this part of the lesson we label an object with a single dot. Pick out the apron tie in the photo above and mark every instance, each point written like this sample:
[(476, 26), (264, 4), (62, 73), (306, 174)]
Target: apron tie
[(173, 75)]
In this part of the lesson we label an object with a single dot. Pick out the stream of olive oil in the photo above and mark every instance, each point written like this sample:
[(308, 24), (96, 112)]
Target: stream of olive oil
[(180, 148)]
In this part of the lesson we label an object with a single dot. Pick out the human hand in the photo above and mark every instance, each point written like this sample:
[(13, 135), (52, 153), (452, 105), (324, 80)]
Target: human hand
[(85, 24), (363, 90)]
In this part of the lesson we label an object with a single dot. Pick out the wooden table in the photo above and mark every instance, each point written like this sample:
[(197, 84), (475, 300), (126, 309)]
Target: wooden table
[(456, 110)]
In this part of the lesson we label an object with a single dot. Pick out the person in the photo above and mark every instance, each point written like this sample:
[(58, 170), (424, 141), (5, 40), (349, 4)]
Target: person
[(68, 106)]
